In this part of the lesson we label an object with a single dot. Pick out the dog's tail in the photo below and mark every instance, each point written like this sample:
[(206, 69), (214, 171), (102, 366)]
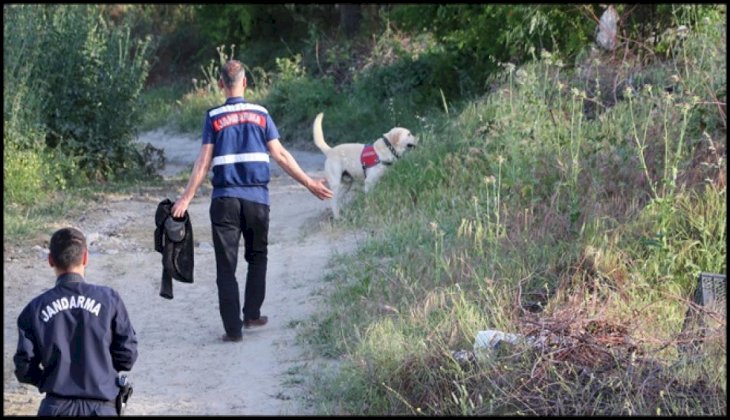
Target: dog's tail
[(318, 135)]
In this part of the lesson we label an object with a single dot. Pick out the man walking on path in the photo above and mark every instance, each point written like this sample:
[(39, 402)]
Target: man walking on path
[(74, 338), (238, 138)]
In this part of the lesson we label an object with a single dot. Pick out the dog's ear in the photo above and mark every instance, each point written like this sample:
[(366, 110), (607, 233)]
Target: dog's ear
[(404, 135), (401, 135), (393, 136)]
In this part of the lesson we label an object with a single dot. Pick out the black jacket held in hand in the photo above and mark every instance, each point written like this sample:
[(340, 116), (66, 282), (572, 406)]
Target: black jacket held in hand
[(174, 240)]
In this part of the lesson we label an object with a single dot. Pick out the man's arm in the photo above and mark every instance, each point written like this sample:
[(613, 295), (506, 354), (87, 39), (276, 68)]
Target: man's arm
[(200, 170), (27, 360), (290, 166), (124, 339)]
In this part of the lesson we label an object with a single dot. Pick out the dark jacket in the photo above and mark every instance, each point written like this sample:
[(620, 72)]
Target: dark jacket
[(73, 340), (174, 240)]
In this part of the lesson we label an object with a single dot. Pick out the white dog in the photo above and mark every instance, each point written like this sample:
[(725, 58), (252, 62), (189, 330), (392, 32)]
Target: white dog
[(365, 162)]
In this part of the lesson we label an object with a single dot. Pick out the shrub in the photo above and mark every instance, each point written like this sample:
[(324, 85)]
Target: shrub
[(23, 172), (294, 98), (97, 74)]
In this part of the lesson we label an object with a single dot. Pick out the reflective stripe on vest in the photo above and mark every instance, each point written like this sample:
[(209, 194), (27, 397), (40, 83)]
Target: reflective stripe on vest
[(237, 107), (241, 157)]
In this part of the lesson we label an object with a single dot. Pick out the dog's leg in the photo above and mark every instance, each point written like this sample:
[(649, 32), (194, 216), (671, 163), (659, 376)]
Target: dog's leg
[(335, 210), (368, 185), (336, 192), (373, 175)]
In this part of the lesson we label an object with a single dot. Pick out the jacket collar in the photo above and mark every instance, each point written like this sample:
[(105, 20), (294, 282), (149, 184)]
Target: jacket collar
[(235, 100), (66, 278)]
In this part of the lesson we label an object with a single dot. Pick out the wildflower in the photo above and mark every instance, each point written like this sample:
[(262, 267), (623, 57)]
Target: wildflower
[(628, 92), (500, 159), (434, 226), (510, 67), (682, 31), (559, 63), (545, 54), (675, 78), (575, 91), (709, 140), (489, 179), (521, 76), (647, 89)]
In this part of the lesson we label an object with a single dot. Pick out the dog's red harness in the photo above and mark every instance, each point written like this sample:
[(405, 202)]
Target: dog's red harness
[(368, 157)]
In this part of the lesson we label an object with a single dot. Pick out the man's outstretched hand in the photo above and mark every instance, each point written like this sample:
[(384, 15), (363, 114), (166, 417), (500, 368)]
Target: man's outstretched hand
[(318, 187)]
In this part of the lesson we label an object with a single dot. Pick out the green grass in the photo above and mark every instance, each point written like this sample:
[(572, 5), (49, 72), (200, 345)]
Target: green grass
[(596, 216), (161, 105)]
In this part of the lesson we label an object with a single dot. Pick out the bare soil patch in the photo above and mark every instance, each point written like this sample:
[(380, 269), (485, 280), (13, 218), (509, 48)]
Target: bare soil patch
[(183, 368)]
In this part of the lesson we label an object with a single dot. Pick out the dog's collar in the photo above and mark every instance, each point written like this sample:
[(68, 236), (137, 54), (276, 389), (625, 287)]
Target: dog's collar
[(390, 147)]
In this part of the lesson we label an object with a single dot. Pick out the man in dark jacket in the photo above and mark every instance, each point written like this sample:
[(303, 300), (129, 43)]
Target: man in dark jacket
[(74, 338)]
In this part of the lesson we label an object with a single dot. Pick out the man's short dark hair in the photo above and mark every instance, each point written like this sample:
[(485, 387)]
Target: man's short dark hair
[(67, 247), (232, 72)]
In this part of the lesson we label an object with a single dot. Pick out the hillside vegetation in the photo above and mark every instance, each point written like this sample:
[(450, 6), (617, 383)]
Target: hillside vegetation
[(573, 205)]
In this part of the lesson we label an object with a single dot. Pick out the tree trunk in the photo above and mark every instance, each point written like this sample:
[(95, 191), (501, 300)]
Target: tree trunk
[(350, 17)]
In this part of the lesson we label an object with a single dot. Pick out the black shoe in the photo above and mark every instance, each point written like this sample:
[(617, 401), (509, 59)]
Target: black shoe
[(259, 322), (232, 339)]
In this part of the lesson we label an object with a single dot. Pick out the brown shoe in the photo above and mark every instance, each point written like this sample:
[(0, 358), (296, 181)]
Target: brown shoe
[(231, 339), (259, 322)]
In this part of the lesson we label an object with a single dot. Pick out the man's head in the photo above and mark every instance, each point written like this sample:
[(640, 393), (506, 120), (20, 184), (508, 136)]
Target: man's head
[(232, 73), (68, 250)]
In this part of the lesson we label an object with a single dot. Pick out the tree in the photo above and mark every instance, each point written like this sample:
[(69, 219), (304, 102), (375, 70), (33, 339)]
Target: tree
[(350, 18)]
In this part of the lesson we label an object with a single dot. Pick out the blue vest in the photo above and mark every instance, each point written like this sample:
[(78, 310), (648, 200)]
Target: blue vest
[(239, 132)]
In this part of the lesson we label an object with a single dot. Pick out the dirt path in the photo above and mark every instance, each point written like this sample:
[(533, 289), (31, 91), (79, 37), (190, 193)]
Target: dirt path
[(183, 368)]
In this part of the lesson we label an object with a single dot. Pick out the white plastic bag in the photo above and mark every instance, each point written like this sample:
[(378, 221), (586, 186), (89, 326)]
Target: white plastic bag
[(492, 339), (607, 29)]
